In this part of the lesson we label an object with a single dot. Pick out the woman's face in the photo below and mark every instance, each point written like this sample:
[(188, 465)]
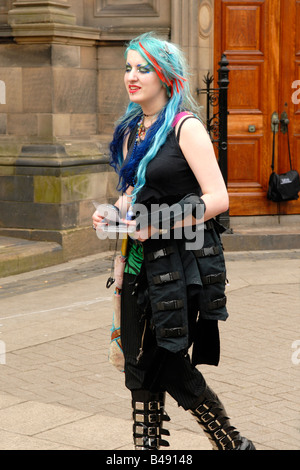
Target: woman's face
[(142, 82)]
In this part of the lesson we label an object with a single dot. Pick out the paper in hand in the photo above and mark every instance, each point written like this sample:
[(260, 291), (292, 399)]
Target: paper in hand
[(111, 219)]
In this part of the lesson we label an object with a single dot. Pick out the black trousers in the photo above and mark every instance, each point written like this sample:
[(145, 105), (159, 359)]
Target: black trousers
[(155, 369)]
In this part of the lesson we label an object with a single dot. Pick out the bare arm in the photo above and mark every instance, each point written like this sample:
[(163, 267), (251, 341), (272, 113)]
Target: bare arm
[(199, 153)]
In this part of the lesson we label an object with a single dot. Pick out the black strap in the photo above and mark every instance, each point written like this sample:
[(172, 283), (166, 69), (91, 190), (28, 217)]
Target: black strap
[(208, 251), (164, 278), (218, 303), (181, 124), (213, 279), (289, 149), (173, 332), (273, 151), (169, 250), (170, 305)]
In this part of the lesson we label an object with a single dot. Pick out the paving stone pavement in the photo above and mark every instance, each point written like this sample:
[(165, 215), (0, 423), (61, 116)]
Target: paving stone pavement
[(58, 391)]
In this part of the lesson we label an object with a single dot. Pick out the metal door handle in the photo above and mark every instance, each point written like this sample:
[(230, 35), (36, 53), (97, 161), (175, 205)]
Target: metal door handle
[(284, 122), (275, 122), (252, 128)]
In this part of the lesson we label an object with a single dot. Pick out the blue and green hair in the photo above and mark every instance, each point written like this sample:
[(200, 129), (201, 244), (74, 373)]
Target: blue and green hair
[(170, 65)]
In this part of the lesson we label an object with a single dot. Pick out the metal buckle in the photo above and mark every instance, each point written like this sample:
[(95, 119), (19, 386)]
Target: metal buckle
[(139, 430), (165, 278), (152, 432), (160, 253), (139, 417), (220, 434), (151, 406), (139, 406), (206, 417), (213, 426), (227, 440), (202, 409), (146, 442), (153, 419)]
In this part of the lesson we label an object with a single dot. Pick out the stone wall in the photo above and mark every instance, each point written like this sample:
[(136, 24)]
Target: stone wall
[(61, 90)]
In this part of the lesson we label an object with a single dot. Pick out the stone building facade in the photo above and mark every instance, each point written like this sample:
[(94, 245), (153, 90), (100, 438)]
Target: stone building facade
[(61, 90)]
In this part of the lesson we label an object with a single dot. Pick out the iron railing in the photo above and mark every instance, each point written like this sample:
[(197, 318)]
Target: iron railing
[(217, 119)]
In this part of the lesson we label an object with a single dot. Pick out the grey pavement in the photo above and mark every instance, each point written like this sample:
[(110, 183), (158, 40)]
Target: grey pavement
[(58, 391)]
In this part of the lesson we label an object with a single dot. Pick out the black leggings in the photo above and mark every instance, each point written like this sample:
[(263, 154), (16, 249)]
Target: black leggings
[(157, 370)]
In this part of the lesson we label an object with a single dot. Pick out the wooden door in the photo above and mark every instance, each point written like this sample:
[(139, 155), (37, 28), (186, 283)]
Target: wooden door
[(262, 43)]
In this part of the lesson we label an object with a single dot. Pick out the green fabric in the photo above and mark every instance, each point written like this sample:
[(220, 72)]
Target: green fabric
[(135, 258)]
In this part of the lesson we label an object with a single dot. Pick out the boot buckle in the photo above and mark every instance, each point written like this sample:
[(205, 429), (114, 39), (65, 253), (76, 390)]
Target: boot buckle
[(202, 409), (152, 418), (220, 434), (213, 425), (150, 406), (206, 417)]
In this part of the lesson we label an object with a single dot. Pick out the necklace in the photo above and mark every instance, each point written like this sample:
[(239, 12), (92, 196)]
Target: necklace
[(151, 115), (142, 130), (140, 136)]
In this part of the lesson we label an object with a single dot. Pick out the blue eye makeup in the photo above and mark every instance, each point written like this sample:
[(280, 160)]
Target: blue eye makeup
[(146, 68), (141, 68)]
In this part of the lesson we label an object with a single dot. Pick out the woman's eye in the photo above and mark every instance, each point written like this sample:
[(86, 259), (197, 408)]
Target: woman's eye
[(128, 68), (146, 69)]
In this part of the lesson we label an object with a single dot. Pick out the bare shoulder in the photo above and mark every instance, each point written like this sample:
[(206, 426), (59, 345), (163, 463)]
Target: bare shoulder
[(193, 139), (191, 126)]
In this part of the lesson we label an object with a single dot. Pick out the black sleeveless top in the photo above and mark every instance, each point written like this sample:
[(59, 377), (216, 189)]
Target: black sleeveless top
[(168, 176)]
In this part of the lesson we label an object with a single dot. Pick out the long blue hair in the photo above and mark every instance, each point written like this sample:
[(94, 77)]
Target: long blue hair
[(170, 65)]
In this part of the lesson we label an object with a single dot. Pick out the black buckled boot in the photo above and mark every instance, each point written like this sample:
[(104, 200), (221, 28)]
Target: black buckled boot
[(211, 416), (148, 417)]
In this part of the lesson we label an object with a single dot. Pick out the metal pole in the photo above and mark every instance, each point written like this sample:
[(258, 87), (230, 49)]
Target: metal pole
[(223, 82), (208, 83)]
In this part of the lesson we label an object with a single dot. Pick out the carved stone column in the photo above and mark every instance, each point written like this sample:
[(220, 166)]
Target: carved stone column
[(185, 33), (44, 21), (52, 163), (62, 68), (192, 29), (40, 11)]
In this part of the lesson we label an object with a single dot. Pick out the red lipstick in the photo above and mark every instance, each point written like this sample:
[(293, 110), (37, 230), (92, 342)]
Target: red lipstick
[(133, 89)]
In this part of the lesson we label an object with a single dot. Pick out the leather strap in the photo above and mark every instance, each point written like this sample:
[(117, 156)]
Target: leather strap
[(164, 278), (160, 253), (170, 305), (209, 251), (217, 303), (213, 278)]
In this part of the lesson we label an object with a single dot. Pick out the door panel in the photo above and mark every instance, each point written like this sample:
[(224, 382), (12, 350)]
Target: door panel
[(290, 72), (254, 36)]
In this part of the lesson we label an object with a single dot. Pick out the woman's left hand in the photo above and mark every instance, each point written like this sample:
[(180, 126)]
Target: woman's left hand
[(140, 235)]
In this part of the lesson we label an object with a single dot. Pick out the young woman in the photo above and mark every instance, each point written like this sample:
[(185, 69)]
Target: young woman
[(173, 295)]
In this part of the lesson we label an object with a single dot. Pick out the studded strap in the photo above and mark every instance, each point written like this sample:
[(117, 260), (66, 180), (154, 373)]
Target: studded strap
[(216, 424), (147, 428)]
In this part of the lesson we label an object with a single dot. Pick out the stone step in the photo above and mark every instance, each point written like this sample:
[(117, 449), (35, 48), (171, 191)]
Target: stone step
[(262, 238), (19, 255)]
